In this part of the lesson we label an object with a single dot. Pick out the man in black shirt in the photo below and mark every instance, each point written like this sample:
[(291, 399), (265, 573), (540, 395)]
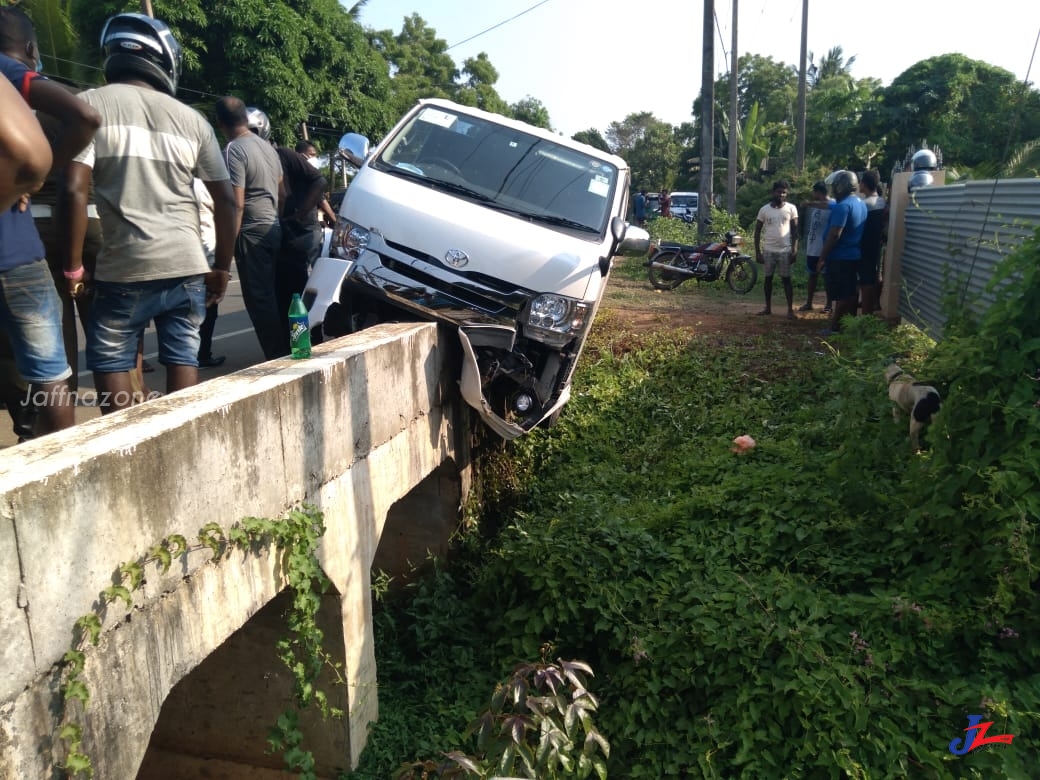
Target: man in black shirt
[(301, 244)]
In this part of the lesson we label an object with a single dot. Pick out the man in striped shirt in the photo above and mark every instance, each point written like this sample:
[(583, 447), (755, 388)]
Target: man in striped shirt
[(143, 162)]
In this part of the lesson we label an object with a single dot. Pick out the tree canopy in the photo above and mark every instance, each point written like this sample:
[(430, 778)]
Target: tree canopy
[(313, 62)]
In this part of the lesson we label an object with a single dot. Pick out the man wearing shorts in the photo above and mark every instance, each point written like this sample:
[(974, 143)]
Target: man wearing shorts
[(144, 159), (817, 214), (840, 256), (776, 244), (30, 311)]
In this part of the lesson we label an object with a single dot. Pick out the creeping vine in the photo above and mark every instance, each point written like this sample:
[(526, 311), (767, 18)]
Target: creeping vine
[(296, 538)]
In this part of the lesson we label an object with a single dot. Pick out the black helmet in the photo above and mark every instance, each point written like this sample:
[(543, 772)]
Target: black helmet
[(258, 122), (138, 46)]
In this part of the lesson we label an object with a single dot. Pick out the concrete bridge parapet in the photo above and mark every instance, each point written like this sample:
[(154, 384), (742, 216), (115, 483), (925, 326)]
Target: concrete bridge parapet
[(372, 419)]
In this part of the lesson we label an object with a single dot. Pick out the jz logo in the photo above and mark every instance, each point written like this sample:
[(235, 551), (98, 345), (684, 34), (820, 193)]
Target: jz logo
[(976, 737)]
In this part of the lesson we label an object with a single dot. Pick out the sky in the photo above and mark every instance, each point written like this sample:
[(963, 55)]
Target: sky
[(594, 62)]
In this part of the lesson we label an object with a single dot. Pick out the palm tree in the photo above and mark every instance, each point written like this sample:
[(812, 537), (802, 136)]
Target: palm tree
[(833, 64), (59, 44)]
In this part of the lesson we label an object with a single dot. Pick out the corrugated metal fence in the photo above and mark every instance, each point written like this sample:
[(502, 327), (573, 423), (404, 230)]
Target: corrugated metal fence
[(955, 235)]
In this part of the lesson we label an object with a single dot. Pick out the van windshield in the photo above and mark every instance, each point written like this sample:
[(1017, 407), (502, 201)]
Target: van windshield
[(503, 168)]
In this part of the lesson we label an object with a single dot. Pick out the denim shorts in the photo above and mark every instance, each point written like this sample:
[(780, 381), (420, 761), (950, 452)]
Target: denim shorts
[(31, 314), (120, 312)]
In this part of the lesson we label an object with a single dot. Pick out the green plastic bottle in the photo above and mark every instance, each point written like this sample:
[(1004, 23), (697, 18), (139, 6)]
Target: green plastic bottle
[(299, 329)]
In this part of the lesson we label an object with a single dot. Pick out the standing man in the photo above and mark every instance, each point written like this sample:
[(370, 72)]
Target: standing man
[(817, 213), (639, 209), (256, 177), (301, 240), (30, 310), (841, 254), (776, 244), (873, 241), (666, 204), (143, 161)]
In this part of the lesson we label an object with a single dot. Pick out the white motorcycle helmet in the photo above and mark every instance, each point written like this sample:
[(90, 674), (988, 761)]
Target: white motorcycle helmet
[(842, 184), (258, 122), (138, 46), (923, 160)]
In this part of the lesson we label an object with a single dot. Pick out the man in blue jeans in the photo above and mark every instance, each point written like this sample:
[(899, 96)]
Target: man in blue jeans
[(143, 162), (30, 310)]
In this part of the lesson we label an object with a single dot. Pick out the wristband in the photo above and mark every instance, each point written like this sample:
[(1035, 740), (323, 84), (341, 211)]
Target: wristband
[(75, 274)]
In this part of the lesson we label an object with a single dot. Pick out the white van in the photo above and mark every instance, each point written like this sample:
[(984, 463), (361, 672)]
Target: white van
[(503, 230), (684, 205)]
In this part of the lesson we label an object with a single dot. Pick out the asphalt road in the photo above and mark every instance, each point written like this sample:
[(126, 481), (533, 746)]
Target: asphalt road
[(233, 338)]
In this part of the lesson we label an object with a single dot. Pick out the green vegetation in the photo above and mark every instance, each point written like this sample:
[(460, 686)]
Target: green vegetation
[(825, 605), (316, 63), (294, 538)]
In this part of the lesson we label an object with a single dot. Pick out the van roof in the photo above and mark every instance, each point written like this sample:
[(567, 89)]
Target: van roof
[(541, 132)]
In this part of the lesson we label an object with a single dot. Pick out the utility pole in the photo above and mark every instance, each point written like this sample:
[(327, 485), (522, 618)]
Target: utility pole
[(707, 117), (799, 155), (146, 7), (731, 168)]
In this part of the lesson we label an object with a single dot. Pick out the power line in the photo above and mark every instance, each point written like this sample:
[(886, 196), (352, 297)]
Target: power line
[(496, 26)]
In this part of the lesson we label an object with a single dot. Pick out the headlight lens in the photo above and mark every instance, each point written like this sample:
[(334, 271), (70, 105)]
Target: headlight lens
[(348, 240), (555, 314)]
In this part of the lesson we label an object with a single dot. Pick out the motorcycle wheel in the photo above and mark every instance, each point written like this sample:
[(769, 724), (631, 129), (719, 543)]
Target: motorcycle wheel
[(662, 278), (741, 274)]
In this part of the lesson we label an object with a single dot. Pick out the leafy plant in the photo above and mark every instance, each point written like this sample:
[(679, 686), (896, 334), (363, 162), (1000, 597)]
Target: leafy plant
[(538, 726)]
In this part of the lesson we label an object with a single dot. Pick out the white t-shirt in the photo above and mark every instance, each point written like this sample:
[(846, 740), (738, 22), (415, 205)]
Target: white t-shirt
[(816, 218), (776, 226)]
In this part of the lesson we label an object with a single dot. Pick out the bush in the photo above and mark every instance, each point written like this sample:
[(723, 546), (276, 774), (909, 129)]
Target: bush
[(826, 604)]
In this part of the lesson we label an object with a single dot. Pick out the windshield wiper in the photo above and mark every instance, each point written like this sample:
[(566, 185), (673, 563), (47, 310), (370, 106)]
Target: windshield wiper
[(551, 219)]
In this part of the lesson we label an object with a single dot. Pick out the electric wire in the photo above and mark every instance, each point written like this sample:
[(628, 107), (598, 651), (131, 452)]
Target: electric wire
[(496, 26)]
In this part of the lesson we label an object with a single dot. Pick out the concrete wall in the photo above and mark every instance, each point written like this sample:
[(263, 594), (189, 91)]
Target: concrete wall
[(353, 430)]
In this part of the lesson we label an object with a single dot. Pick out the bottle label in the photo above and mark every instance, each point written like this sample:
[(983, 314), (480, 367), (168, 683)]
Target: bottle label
[(297, 330)]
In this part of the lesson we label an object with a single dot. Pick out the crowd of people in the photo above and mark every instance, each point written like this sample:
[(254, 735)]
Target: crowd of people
[(844, 226), (121, 207)]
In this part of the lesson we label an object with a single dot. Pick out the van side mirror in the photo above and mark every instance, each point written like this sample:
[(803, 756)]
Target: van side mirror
[(354, 147), (628, 240)]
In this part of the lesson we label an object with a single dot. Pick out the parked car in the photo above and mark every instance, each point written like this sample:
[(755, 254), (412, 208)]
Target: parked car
[(502, 230), (684, 204)]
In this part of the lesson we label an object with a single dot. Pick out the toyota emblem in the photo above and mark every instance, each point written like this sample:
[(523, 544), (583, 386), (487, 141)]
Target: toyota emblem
[(456, 258)]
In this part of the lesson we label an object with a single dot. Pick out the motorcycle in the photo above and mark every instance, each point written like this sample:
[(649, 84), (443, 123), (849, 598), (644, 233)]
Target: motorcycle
[(672, 264)]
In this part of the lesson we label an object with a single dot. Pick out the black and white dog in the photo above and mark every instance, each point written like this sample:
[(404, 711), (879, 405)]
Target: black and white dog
[(919, 401)]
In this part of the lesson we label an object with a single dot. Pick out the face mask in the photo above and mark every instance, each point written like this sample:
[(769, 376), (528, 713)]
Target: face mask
[(314, 162)]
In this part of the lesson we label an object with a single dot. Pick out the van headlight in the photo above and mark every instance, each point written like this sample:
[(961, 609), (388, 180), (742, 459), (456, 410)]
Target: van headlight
[(348, 240), (551, 317)]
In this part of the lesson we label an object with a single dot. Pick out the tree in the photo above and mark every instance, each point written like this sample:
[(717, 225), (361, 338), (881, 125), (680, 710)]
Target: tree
[(419, 62), (533, 112), (592, 137), (477, 86), (651, 149), (834, 124), (771, 84), (833, 63), (299, 62), (59, 44), (971, 110)]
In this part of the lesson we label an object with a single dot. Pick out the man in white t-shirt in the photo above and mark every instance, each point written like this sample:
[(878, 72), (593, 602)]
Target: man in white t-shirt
[(776, 244)]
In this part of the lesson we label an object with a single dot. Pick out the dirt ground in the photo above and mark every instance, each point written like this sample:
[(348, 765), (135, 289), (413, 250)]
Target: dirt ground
[(707, 309)]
